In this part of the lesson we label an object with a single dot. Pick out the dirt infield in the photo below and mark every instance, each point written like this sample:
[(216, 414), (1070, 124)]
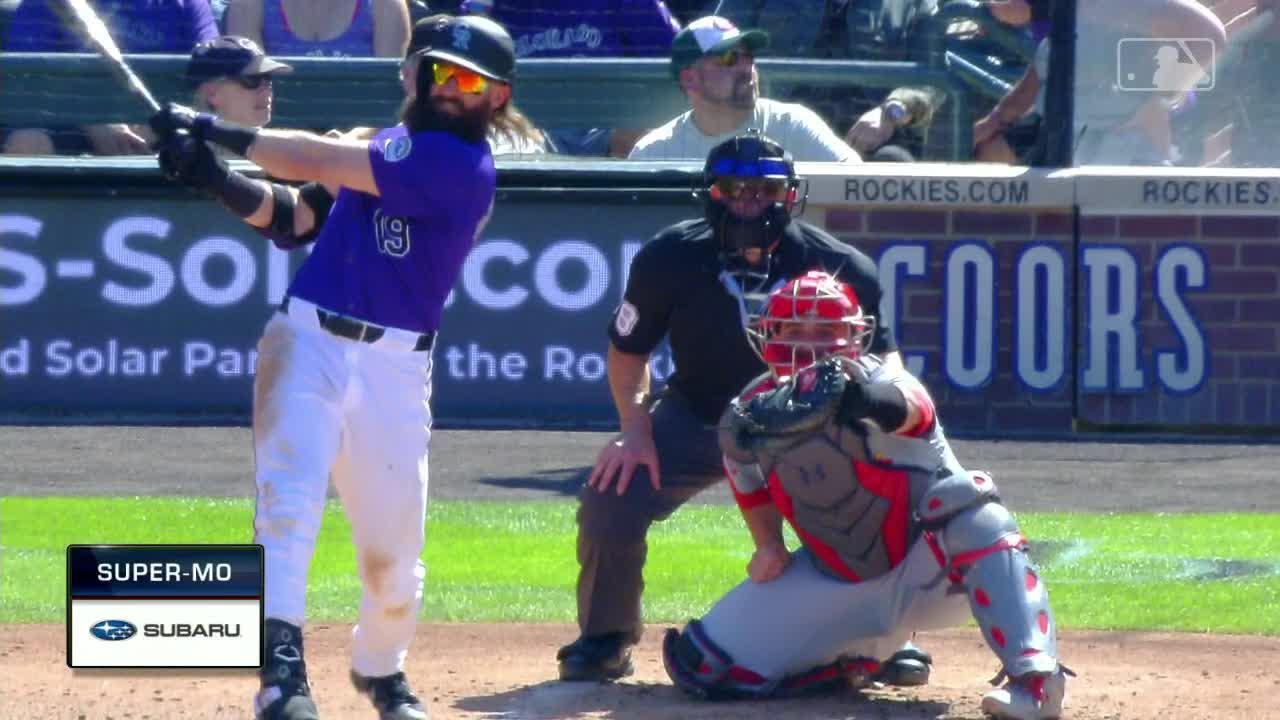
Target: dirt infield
[(503, 671)]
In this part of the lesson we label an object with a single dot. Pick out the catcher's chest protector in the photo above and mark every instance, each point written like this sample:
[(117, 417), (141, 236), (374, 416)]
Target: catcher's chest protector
[(853, 514)]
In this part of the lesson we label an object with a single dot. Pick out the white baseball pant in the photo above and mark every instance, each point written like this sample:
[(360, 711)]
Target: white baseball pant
[(326, 406)]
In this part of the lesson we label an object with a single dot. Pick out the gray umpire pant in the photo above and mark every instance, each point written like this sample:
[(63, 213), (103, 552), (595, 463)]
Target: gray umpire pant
[(612, 528)]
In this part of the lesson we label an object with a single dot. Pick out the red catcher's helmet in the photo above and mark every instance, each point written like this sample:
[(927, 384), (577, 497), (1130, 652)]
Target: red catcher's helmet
[(810, 319)]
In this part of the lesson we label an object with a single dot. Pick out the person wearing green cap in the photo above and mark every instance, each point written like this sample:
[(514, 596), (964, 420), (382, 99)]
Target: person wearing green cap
[(714, 62)]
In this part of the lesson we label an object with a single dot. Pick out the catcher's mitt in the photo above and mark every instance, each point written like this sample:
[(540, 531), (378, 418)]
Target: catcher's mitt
[(801, 406)]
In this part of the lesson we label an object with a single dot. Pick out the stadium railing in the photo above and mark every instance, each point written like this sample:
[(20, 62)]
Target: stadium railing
[(40, 89)]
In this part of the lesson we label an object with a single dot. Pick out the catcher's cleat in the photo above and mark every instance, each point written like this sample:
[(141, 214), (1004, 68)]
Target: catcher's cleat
[(391, 696), (1033, 696), (596, 658), (285, 693), (909, 667)]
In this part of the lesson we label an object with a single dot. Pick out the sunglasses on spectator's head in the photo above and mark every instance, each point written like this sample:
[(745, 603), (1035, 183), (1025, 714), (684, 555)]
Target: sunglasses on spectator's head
[(469, 81), (729, 58), (253, 82), (735, 188)]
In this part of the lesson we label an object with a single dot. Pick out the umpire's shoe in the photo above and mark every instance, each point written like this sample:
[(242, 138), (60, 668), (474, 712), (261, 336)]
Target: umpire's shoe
[(391, 696), (596, 658), (285, 694), (908, 667)]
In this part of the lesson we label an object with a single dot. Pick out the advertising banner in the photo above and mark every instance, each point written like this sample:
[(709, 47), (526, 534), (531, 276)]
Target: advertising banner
[(977, 267), (150, 307), (1028, 301), (1183, 299)]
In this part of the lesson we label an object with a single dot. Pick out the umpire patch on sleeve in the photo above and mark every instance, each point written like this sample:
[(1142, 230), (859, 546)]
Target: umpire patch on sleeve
[(625, 319), (398, 149)]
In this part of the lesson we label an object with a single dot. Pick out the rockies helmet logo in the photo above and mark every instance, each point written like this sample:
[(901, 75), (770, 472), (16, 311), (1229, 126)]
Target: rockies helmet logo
[(461, 38)]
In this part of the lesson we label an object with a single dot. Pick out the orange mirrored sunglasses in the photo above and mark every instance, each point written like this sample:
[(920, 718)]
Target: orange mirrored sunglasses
[(469, 81)]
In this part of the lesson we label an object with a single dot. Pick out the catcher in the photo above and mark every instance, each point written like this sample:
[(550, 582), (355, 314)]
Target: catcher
[(896, 535)]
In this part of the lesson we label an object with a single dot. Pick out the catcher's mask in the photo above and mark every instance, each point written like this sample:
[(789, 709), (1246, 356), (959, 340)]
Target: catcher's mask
[(750, 191), (809, 319)]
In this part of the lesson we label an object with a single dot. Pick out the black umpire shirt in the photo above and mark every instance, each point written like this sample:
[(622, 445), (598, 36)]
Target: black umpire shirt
[(675, 286)]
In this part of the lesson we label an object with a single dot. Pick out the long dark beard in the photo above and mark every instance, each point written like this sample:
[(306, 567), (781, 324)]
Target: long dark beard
[(419, 114)]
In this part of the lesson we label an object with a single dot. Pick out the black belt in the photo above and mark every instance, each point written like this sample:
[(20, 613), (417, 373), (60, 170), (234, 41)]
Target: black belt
[(353, 329)]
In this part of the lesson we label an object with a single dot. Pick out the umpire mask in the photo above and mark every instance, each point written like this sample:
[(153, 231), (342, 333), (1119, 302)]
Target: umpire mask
[(750, 191)]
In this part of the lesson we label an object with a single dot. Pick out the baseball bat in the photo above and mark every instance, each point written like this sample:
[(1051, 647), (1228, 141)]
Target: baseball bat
[(84, 21)]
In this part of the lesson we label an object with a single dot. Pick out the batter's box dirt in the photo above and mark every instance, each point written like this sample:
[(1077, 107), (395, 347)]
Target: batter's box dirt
[(505, 672)]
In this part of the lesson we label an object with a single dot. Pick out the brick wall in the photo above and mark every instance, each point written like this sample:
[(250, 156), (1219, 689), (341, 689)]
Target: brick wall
[(1238, 311), (1228, 219), (1003, 404)]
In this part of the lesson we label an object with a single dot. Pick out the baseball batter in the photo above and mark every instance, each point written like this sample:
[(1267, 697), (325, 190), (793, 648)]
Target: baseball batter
[(897, 536), (695, 283), (343, 383)]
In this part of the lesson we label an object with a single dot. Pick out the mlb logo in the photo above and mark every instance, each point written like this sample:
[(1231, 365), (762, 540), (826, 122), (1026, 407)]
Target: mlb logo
[(1166, 64)]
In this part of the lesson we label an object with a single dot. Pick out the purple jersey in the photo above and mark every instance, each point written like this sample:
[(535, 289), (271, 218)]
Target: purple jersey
[(588, 28), (392, 259), (159, 26)]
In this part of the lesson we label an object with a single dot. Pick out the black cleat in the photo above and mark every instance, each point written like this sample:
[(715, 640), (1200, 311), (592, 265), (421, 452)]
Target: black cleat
[(285, 693), (598, 658), (391, 696), (909, 667)]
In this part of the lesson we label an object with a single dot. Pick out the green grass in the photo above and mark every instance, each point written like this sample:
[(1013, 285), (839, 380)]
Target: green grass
[(515, 561)]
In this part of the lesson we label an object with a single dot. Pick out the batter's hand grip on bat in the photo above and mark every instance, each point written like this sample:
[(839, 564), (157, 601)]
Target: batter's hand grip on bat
[(171, 119), (174, 155)]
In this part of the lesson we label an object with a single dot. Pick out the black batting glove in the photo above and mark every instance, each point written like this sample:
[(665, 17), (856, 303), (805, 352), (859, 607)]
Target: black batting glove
[(190, 162), (172, 120)]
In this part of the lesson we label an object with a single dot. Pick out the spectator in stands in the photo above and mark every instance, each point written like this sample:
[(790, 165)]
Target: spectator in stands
[(1255, 91), (891, 123), (1116, 125), (323, 28), (714, 62), (591, 28), (1030, 14), (7, 9), (1011, 130), (158, 26), (231, 77), (596, 28)]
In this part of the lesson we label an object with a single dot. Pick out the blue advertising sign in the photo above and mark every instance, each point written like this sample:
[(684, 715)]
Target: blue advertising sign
[(148, 308)]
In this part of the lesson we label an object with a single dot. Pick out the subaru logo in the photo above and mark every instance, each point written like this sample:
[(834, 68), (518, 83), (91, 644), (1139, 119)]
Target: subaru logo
[(114, 630)]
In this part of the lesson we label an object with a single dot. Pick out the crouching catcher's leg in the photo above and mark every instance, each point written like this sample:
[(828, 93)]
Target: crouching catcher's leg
[(987, 555), (704, 671)]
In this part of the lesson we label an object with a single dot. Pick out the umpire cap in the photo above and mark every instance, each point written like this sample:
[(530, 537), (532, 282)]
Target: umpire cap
[(471, 41)]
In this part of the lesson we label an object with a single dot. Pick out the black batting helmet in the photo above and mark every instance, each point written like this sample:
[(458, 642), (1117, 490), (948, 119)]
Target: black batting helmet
[(471, 41)]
